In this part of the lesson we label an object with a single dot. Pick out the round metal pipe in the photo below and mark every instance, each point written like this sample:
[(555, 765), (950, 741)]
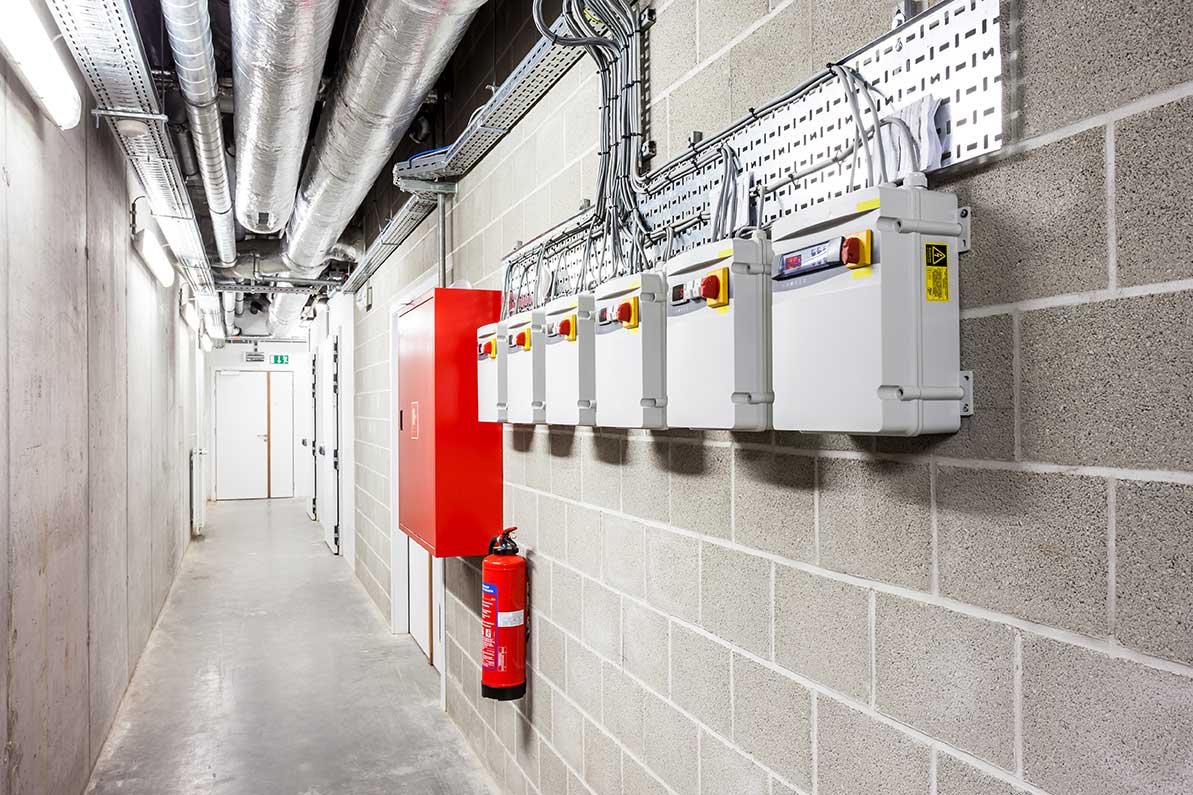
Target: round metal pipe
[(189, 28), (278, 49), (400, 50)]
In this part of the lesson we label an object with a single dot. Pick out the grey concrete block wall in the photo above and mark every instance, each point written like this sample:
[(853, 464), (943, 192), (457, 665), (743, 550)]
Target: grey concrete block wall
[(963, 612), (96, 384)]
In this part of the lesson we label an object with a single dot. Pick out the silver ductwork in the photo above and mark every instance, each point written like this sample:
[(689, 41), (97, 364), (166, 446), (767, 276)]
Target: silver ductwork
[(189, 28), (278, 49), (401, 48)]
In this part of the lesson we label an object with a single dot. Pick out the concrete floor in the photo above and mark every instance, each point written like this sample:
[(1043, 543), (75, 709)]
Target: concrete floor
[(270, 671)]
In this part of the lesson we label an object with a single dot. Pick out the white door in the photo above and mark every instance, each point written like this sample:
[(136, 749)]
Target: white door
[(327, 440), (281, 434), (241, 435), (420, 597)]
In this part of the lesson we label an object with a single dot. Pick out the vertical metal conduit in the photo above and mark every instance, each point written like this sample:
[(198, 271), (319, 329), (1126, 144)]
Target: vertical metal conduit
[(189, 29)]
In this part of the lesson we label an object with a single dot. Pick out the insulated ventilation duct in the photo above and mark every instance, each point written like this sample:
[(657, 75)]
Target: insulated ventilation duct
[(278, 49), (189, 28), (400, 50)]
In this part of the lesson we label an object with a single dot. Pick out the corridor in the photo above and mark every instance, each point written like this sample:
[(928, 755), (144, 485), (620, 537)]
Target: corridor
[(269, 671)]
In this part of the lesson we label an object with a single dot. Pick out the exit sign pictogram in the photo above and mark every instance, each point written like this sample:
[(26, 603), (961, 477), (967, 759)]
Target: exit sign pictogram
[(281, 358)]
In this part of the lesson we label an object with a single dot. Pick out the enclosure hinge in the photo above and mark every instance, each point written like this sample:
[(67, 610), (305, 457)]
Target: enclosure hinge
[(966, 382), (965, 218)]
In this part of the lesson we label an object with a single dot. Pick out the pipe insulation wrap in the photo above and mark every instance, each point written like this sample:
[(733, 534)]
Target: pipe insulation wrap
[(278, 50), (400, 50), (189, 29)]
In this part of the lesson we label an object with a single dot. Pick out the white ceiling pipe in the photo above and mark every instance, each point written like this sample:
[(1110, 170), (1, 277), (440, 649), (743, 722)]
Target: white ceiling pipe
[(278, 50), (189, 28), (399, 52)]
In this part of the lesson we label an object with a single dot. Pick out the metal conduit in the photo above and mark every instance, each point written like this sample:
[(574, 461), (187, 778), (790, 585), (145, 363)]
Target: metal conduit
[(400, 50), (278, 50), (189, 29)]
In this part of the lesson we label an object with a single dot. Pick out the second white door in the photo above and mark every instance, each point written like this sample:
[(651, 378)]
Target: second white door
[(241, 435)]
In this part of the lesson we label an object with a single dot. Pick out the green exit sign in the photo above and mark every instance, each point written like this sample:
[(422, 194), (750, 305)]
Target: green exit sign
[(281, 358)]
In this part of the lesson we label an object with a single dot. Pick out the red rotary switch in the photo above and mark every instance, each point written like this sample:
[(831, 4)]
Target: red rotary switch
[(625, 312), (520, 340), (851, 251), (710, 287), (488, 349), (565, 327)]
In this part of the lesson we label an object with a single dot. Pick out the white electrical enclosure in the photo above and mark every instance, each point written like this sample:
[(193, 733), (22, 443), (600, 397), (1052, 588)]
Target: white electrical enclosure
[(490, 373), (865, 314), (718, 336), (570, 366), (631, 352), (524, 376)]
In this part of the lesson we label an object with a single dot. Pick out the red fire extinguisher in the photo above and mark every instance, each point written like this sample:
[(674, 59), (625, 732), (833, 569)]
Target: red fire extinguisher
[(503, 620)]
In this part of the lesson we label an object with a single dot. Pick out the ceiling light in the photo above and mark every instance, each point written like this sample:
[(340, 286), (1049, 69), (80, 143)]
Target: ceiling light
[(156, 258), (190, 315), (30, 50), (205, 343)]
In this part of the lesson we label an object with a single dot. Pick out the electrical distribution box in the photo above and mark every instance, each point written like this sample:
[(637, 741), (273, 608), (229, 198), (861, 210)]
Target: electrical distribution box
[(449, 462), (524, 365), (490, 372), (718, 336), (865, 314), (570, 366), (631, 352)]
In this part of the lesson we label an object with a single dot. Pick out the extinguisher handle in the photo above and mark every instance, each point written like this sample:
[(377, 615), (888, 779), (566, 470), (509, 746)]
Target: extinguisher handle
[(505, 541)]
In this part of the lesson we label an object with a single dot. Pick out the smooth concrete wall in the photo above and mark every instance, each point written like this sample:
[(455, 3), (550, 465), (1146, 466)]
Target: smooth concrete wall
[(94, 370), (1000, 610)]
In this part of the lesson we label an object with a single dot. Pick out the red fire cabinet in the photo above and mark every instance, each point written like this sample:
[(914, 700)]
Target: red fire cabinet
[(449, 463)]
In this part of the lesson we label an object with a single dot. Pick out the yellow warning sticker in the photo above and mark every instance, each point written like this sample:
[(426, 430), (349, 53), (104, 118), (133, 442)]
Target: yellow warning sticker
[(936, 271), (871, 204)]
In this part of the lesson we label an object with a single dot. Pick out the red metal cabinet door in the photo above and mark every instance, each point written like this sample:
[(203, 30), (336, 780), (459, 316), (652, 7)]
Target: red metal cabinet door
[(416, 445)]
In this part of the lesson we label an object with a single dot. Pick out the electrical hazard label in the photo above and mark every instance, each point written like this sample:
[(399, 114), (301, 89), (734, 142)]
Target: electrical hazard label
[(936, 275)]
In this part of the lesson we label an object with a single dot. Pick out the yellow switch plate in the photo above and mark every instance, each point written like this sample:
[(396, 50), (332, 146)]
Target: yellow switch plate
[(632, 323), (866, 236), (571, 335), (722, 298)]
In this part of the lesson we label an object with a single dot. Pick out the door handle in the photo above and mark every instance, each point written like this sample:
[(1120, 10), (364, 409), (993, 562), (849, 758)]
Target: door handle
[(322, 451), (399, 419)]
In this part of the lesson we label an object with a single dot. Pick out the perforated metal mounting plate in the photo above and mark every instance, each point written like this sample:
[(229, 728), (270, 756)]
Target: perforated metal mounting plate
[(952, 52)]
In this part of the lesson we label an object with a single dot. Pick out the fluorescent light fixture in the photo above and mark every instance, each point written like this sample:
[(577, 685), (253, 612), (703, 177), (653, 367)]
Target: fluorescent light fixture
[(190, 315), (216, 331), (29, 49), (156, 258), (205, 343)]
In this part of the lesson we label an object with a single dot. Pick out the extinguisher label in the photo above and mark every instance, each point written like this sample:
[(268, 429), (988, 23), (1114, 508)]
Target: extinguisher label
[(513, 618), (489, 622)]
